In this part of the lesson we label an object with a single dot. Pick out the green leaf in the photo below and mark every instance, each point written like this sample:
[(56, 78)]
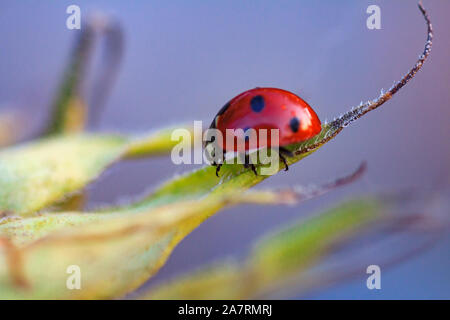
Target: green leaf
[(116, 251), (159, 143), (36, 175), (299, 246), (135, 240), (277, 260)]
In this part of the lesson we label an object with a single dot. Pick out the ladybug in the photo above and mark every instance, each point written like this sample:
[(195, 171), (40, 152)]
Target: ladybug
[(267, 108)]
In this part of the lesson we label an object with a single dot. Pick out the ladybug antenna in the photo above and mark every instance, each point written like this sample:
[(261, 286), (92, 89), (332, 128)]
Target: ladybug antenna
[(335, 126)]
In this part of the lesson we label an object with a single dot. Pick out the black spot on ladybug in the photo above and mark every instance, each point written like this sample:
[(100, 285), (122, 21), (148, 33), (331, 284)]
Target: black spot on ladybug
[(223, 109), (257, 103), (294, 124)]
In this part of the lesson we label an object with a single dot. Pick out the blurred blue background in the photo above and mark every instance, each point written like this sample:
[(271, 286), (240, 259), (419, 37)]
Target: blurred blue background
[(184, 59)]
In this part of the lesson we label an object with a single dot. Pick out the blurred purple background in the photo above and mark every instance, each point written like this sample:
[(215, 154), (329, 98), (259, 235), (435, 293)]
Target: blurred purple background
[(184, 59)]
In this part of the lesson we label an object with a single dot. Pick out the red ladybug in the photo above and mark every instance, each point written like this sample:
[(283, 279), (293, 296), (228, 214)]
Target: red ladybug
[(267, 108)]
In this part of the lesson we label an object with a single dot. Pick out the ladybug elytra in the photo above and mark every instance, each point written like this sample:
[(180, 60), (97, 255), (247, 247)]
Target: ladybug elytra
[(267, 108)]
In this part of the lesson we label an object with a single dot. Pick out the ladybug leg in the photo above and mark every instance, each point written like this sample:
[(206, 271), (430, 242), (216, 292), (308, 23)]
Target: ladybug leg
[(285, 152), (252, 166), (219, 165), (217, 168), (247, 164), (283, 159)]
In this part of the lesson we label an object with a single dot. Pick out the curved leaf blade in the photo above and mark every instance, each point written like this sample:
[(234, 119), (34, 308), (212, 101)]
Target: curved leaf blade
[(275, 260), (116, 252), (36, 175)]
